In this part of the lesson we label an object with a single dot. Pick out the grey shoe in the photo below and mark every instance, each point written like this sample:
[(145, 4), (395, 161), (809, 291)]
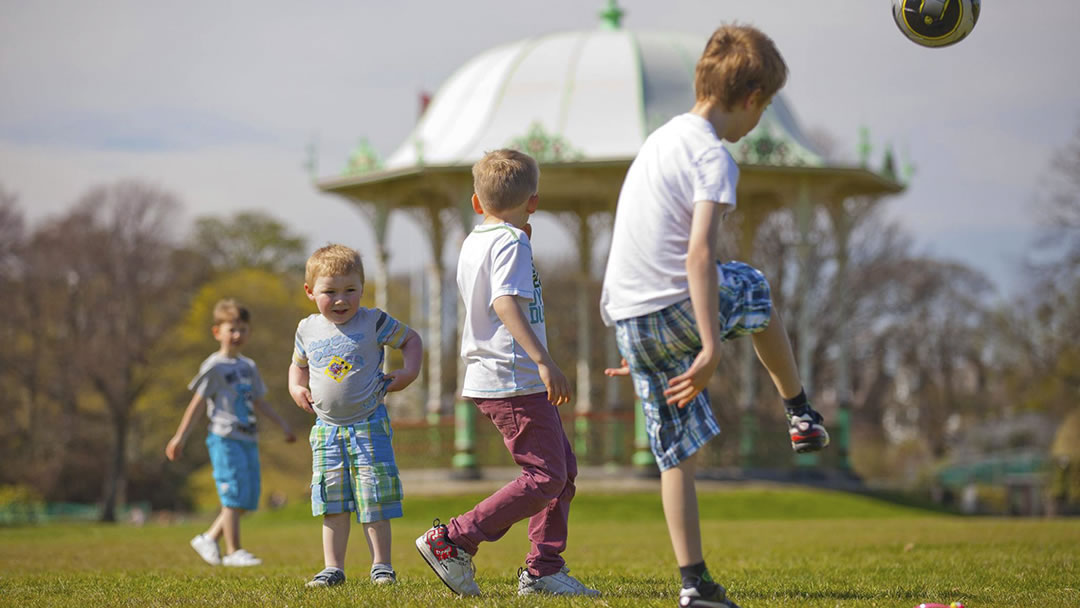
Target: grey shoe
[(452, 564), (560, 583), (328, 577), (693, 597), (383, 574)]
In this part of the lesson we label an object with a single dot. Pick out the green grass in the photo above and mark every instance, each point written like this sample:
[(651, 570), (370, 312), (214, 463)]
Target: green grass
[(769, 547)]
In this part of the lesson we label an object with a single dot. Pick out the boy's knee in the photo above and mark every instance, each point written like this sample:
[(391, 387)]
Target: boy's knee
[(549, 484)]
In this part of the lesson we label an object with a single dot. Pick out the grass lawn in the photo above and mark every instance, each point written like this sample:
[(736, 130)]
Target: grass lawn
[(784, 547)]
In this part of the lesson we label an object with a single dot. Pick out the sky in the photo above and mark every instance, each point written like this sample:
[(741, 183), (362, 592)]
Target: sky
[(219, 102)]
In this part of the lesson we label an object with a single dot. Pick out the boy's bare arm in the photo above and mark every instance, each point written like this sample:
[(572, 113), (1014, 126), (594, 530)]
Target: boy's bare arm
[(412, 350), (298, 387), (509, 312), (702, 280), (175, 447), (264, 407)]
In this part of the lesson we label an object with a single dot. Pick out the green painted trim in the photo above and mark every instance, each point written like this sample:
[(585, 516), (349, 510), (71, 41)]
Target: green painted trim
[(643, 120), (568, 88)]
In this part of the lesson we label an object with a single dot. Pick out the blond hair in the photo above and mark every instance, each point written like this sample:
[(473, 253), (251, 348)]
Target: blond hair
[(738, 60), (227, 310), (333, 261), (504, 179)]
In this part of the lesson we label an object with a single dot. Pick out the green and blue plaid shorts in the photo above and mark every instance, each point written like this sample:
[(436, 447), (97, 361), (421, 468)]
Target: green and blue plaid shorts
[(353, 469), (661, 345)]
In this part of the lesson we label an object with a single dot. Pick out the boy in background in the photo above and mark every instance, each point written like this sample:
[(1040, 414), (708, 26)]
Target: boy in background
[(670, 300), (336, 373), (229, 388), (513, 380)]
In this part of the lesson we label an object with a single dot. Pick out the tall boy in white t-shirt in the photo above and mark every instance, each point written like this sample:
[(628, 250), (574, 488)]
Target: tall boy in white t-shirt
[(512, 379), (670, 300)]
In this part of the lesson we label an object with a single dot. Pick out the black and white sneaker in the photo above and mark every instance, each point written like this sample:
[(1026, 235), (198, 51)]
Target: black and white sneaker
[(807, 430), (700, 597), (328, 577)]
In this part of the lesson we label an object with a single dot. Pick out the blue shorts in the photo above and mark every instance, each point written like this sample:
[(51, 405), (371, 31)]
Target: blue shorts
[(663, 344), (236, 471), (353, 469)]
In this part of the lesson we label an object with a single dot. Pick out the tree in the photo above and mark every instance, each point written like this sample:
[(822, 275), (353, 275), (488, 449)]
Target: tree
[(249, 239), (128, 283)]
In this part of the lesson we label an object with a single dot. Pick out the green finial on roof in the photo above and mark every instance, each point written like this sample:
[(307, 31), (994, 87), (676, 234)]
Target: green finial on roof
[(888, 163), (865, 146), (363, 158), (611, 17)]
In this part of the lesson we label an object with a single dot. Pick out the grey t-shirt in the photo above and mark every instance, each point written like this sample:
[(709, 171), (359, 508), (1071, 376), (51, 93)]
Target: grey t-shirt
[(345, 362), (230, 386)]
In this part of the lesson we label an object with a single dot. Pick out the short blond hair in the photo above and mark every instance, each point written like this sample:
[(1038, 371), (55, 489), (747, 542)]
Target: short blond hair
[(504, 179), (227, 310), (333, 261), (738, 60)]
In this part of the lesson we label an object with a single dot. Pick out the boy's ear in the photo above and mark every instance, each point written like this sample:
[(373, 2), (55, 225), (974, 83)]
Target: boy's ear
[(310, 294), (753, 100), (532, 204), (476, 205)]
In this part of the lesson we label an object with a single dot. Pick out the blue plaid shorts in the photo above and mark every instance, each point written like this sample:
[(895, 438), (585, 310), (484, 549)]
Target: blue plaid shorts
[(661, 345), (353, 469)]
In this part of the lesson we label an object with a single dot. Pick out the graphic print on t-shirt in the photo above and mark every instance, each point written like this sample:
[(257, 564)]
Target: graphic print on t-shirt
[(536, 307)]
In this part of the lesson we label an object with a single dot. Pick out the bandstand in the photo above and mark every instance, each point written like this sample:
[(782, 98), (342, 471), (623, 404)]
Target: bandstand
[(582, 103)]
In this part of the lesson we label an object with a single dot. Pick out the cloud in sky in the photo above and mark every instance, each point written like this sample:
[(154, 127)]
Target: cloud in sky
[(218, 101)]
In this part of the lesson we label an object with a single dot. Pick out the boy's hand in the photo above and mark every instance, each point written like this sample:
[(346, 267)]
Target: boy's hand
[(622, 370), (399, 379), (302, 397), (683, 388), (558, 387), (175, 449)]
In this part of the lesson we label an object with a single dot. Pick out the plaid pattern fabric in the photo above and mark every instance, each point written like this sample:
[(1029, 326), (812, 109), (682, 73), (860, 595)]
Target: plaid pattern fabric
[(661, 345), (353, 469)]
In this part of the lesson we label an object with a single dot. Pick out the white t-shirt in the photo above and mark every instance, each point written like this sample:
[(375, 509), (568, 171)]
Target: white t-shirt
[(681, 163), (496, 260)]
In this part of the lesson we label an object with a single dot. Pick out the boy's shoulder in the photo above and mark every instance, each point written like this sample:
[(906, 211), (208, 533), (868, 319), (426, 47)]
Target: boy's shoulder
[(500, 232)]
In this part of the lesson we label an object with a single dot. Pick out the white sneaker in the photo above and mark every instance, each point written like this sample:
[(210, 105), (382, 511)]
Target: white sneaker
[(240, 557), (452, 564), (207, 548), (560, 583)]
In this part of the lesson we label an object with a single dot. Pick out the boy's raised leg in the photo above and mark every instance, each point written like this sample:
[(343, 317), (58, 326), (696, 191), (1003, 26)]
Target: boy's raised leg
[(805, 426)]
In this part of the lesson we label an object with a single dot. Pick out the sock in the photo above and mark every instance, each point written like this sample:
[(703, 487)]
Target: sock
[(697, 576), (383, 564), (796, 403)]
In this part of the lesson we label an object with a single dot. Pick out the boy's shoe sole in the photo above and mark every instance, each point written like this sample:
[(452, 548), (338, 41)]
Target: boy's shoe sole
[(807, 432), (691, 598)]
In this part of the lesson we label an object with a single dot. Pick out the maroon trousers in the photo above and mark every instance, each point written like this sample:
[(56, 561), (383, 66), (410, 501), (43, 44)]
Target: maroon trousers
[(533, 433)]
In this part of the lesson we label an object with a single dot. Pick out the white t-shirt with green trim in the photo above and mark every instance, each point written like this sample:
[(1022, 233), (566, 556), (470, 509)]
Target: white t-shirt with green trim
[(496, 260)]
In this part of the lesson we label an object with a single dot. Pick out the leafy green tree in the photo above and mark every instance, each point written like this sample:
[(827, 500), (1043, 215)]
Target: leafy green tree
[(249, 239)]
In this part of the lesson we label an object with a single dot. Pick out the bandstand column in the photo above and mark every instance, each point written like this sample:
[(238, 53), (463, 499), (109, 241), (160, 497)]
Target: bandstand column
[(585, 313), (843, 225), (464, 461), (804, 215)]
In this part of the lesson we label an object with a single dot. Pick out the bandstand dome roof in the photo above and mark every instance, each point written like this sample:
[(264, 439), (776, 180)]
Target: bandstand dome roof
[(582, 103), (578, 96)]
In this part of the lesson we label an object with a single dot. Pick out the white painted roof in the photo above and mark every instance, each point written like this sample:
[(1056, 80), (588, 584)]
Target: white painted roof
[(580, 95)]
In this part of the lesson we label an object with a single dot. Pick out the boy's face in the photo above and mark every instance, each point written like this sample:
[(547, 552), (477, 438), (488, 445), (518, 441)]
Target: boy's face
[(337, 298), (231, 335)]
